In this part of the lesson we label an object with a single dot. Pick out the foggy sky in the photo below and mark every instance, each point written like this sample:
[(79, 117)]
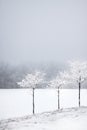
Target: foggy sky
[(43, 30)]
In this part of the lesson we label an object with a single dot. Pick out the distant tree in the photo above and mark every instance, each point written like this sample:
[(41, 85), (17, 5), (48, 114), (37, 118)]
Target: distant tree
[(57, 83), (32, 81), (6, 76), (77, 74)]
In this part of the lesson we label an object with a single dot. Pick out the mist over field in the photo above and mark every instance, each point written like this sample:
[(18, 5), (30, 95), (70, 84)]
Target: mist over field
[(40, 35)]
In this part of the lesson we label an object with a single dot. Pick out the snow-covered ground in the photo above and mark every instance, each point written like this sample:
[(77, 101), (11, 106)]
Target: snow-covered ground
[(64, 119), (18, 102)]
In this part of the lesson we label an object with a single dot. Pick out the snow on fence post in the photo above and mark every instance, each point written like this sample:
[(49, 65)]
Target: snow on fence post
[(32, 81)]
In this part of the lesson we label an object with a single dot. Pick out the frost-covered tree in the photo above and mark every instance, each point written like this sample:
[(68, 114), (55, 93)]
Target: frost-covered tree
[(57, 83), (32, 81), (77, 74)]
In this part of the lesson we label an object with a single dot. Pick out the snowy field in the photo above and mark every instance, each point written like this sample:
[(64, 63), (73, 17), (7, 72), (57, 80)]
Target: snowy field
[(18, 102), (16, 110), (66, 119)]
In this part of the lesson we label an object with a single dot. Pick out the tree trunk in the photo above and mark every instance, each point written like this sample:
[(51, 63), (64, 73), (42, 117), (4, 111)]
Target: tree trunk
[(79, 92), (33, 102), (58, 98)]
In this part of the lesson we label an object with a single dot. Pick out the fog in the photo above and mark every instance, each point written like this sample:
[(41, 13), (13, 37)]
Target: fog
[(42, 31)]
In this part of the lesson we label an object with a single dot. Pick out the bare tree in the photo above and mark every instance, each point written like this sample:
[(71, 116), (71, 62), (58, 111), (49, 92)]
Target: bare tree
[(32, 81), (57, 83), (77, 73)]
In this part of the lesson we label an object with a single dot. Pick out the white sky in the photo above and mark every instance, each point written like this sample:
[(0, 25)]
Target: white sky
[(48, 30)]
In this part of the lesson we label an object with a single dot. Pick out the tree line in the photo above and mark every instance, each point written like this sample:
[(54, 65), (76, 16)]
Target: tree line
[(10, 75), (76, 74)]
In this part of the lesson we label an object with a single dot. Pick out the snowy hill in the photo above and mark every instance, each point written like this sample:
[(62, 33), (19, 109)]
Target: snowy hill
[(64, 119)]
